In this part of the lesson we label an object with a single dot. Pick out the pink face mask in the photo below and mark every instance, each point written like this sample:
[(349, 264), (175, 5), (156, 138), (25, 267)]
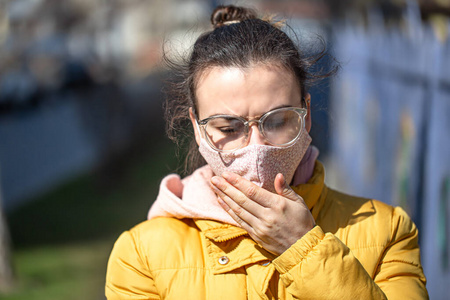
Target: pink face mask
[(259, 164)]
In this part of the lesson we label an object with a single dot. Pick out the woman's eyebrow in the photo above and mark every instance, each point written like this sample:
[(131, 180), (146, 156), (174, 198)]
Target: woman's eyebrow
[(277, 107), (281, 106), (247, 117), (222, 115)]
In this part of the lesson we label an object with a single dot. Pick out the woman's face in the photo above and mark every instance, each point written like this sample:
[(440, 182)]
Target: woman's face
[(248, 93)]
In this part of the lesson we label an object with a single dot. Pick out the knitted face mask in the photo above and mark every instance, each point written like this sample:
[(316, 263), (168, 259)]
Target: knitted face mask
[(259, 164)]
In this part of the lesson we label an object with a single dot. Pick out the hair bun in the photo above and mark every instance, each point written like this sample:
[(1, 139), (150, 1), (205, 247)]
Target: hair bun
[(230, 13)]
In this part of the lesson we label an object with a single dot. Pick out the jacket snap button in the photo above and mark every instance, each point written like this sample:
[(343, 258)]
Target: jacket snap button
[(223, 260)]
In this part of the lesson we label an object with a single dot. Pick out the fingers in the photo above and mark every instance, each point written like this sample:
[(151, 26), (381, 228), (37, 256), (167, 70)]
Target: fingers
[(249, 189), (239, 216), (239, 207), (274, 220), (283, 189)]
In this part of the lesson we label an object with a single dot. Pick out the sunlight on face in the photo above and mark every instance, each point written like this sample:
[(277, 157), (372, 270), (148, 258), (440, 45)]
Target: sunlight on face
[(246, 92)]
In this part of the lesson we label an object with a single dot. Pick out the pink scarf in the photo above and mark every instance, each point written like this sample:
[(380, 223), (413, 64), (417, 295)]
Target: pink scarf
[(192, 197)]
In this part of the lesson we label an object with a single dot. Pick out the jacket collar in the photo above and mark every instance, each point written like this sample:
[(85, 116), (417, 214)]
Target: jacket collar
[(229, 247), (314, 191), (219, 232), (231, 241)]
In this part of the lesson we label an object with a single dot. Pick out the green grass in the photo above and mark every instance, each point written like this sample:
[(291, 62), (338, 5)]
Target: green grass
[(68, 272), (62, 240)]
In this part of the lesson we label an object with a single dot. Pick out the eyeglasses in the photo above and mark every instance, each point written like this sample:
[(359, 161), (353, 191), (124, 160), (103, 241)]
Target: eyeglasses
[(280, 127)]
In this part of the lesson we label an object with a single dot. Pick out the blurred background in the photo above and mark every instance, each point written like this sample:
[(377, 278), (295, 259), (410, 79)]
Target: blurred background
[(82, 142)]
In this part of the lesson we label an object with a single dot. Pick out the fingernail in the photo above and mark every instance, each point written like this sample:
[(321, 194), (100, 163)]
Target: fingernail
[(284, 179), (215, 180)]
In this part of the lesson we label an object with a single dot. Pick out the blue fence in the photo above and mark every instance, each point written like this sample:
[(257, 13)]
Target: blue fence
[(390, 128)]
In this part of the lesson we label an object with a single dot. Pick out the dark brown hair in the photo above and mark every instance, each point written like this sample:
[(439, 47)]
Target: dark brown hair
[(239, 39)]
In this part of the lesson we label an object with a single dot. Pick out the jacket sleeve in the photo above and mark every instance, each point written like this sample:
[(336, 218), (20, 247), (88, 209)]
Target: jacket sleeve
[(127, 276), (399, 272), (320, 266)]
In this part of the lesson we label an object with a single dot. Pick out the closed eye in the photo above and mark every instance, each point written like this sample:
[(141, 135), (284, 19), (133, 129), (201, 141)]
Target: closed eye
[(227, 129)]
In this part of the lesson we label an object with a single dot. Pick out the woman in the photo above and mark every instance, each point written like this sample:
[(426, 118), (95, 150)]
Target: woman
[(235, 228)]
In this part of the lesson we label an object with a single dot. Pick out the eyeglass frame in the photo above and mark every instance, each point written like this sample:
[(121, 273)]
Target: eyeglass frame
[(300, 110)]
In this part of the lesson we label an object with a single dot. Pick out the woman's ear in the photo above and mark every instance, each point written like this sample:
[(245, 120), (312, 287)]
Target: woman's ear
[(308, 115), (195, 126)]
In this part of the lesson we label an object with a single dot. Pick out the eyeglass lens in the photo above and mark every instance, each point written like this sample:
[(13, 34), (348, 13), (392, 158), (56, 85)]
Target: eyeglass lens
[(229, 133)]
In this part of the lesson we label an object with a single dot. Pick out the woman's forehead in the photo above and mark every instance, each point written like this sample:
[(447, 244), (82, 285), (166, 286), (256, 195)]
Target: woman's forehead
[(246, 92)]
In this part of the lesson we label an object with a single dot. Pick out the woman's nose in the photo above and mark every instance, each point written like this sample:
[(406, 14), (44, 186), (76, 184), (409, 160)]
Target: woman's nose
[(255, 137)]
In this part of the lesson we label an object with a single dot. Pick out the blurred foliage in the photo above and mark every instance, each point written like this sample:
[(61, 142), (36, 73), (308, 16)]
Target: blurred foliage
[(62, 240), (70, 272), (95, 205)]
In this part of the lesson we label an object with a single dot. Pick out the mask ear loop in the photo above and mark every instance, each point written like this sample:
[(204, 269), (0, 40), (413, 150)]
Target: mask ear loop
[(197, 126), (306, 102)]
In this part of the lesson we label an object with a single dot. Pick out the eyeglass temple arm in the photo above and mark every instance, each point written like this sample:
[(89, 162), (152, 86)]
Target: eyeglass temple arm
[(304, 103)]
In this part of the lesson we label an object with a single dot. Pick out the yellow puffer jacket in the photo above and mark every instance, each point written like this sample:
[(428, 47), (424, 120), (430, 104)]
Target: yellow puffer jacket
[(360, 249)]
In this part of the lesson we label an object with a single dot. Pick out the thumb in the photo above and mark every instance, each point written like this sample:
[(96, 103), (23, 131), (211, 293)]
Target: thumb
[(283, 189)]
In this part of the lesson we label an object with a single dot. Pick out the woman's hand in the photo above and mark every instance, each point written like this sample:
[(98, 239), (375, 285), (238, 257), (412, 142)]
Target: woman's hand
[(274, 221)]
